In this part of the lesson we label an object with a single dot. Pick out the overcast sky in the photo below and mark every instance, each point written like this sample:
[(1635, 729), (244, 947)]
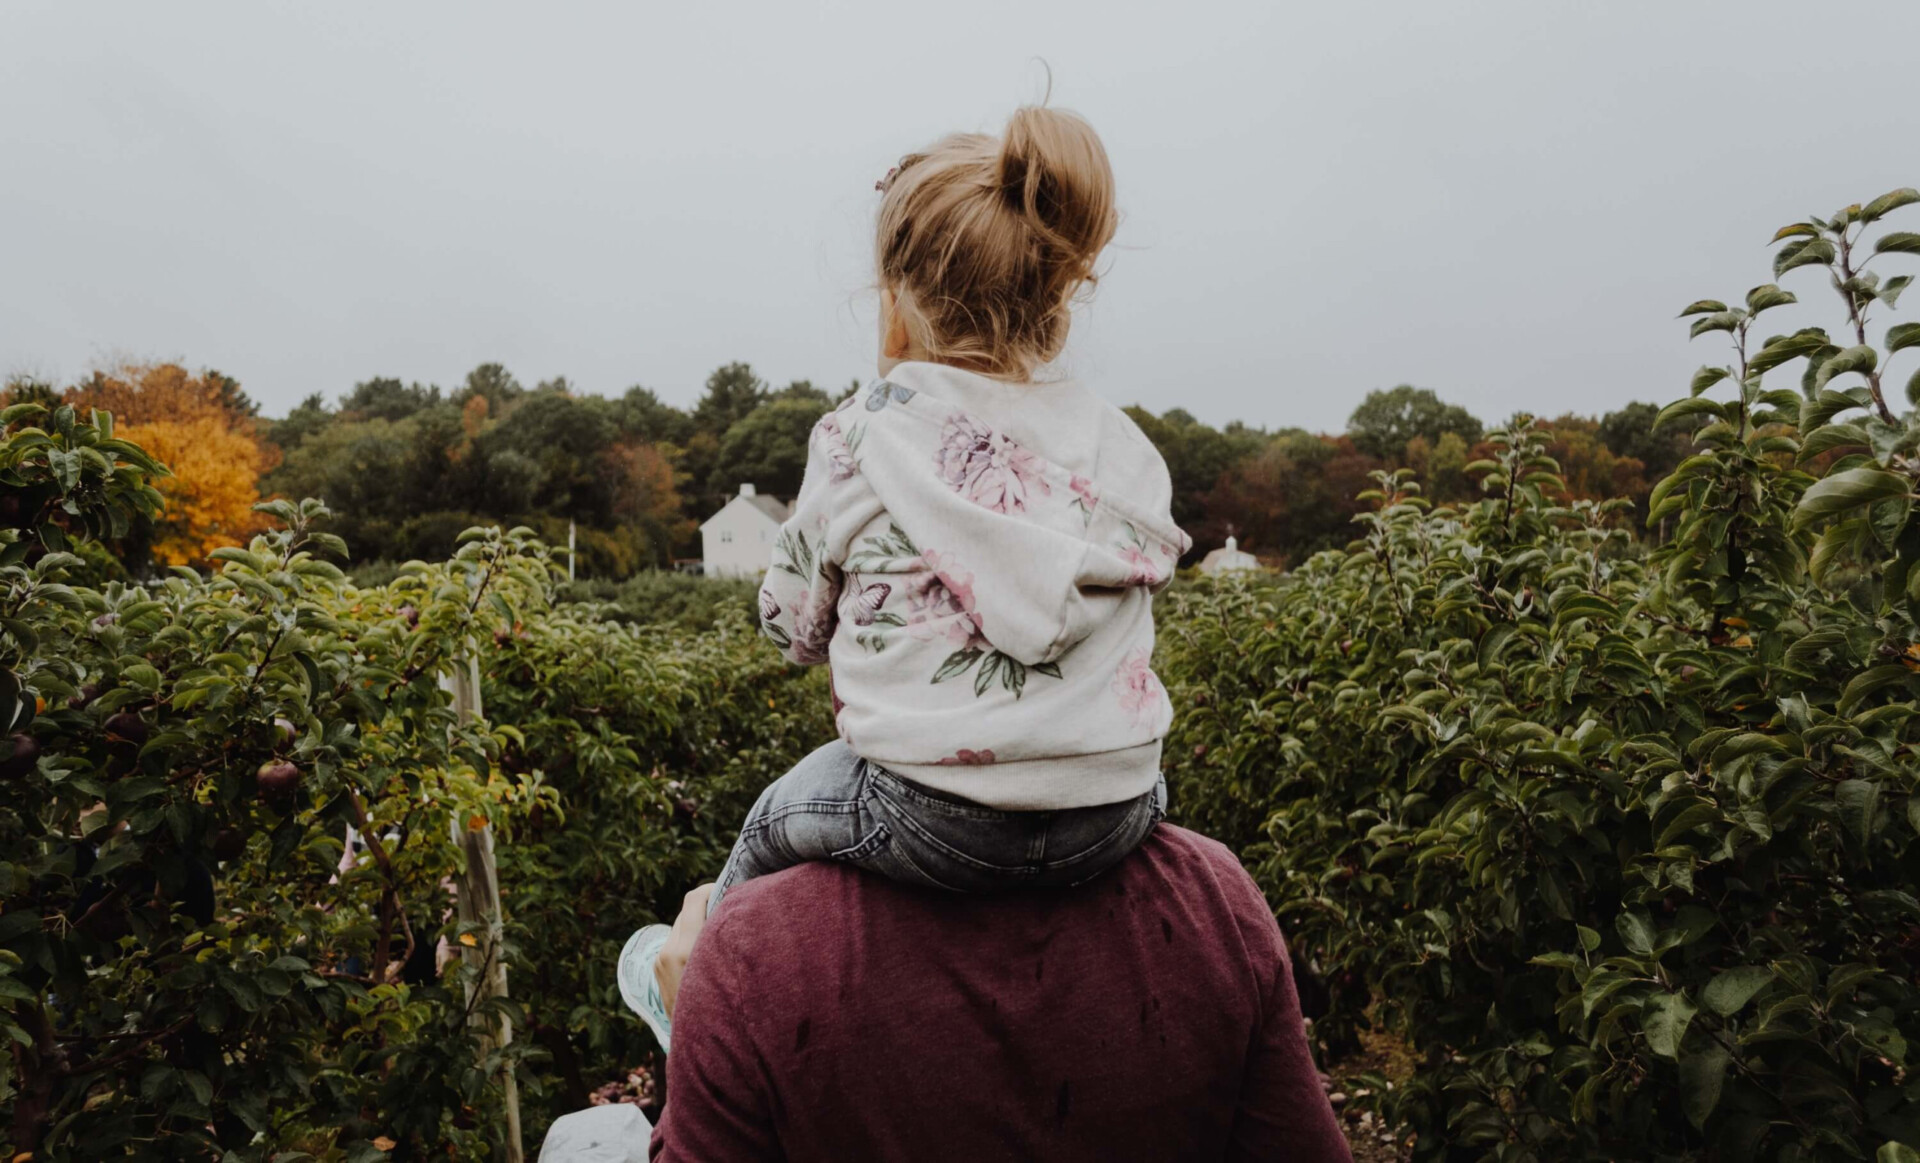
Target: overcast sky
[(1506, 202)]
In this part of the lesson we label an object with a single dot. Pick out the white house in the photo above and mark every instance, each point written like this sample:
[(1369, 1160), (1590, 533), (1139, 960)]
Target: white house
[(738, 540), (1228, 559)]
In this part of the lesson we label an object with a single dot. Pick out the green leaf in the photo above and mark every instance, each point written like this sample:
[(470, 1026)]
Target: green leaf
[(1824, 406), (1891, 200), (1892, 1152), (1719, 321), (1702, 1073), (1903, 335), (1858, 800), (1830, 437), (1706, 377), (1867, 682), (1806, 252), (1845, 491), (1837, 539), (1664, 1020), (1697, 406), (1898, 242), (989, 670), (1784, 348), (1699, 307), (1860, 358), (1637, 931), (1731, 989), (957, 663), (1890, 290), (1768, 295)]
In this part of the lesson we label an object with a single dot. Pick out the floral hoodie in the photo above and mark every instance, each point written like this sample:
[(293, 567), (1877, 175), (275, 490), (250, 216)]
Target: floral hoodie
[(977, 559)]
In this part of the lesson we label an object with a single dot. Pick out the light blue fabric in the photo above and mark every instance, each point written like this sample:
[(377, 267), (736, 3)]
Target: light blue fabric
[(615, 1133)]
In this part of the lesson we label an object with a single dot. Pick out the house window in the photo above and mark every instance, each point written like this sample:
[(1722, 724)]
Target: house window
[(726, 537)]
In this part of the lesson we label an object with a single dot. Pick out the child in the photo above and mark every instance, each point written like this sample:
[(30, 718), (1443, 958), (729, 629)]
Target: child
[(974, 551)]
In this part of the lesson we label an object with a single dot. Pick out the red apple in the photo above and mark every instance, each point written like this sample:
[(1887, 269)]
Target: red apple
[(126, 727), (278, 779), (25, 753)]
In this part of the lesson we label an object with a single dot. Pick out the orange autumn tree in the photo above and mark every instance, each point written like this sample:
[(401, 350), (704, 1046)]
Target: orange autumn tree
[(204, 428)]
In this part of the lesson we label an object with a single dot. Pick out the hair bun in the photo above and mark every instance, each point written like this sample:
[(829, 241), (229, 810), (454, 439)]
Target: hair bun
[(1054, 173)]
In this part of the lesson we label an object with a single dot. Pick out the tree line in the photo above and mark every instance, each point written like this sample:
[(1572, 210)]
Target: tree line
[(407, 466)]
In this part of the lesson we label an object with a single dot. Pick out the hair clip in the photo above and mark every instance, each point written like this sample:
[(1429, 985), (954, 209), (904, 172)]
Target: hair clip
[(883, 183)]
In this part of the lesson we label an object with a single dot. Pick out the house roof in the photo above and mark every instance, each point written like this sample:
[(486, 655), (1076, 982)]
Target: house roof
[(775, 510), (1228, 559)]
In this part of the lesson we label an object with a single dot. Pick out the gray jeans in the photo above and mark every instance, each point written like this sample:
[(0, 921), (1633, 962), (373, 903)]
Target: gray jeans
[(835, 805)]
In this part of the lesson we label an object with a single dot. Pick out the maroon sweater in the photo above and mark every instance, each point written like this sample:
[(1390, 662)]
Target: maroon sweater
[(830, 1014)]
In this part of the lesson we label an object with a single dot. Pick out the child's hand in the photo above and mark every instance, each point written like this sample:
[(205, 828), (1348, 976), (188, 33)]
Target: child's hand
[(671, 965)]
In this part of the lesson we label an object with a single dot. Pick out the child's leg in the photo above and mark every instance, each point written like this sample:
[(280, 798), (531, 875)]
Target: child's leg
[(813, 812)]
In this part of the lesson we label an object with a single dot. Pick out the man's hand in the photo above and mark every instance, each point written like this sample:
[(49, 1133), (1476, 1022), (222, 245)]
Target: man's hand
[(672, 963)]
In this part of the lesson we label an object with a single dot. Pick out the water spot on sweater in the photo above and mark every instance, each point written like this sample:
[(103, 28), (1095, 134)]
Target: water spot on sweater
[(803, 1035), (1143, 1013), (1040, 969), (1064, 1102), (1166, 929), (1156, 1003)]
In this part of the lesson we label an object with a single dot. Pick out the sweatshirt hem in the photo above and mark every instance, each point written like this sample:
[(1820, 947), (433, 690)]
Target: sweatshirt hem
[(1042, 785)]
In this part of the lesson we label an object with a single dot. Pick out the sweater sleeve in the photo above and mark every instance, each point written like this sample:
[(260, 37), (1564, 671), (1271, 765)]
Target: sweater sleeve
[(799, 601), (1283, 1111), (718, 1105)]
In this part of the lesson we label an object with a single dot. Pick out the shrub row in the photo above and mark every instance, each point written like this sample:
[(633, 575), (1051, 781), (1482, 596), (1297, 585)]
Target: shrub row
[(1623, 846), (193, 964)]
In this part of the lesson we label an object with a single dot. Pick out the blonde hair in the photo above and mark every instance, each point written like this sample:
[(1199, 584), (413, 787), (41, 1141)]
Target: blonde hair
[(985, 241)]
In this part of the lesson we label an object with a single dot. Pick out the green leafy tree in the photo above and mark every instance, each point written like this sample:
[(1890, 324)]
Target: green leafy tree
[(732, 392), (1630, 431), (1196, 455), (768, 447), (640, 414), (492, 383), (1386, 420), (311, 416), (382, 398)]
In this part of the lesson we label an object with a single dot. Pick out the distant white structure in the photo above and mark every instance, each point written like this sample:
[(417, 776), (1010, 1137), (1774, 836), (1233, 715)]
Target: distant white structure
[(1228, 559), (738, 540)]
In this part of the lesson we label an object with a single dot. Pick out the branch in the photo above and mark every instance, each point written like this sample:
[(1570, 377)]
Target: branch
[(118, 1056)]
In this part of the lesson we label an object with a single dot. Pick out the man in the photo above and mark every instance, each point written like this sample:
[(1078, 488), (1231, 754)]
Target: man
[(1149, 1014)]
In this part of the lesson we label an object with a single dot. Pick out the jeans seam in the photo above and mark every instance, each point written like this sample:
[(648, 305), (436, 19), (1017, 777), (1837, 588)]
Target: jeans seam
[(907, 859), (948, 850), (1126, 824)]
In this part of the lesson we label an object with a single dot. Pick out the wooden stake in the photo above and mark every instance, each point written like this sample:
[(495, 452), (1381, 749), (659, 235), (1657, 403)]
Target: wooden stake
[(477, 901)]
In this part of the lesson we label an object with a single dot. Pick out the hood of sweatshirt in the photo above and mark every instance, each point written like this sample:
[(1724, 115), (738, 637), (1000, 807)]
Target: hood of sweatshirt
[(1038, 506)]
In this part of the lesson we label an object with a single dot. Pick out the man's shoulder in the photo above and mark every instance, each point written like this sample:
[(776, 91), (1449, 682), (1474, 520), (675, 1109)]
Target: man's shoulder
[(1188, 845), (1169, 857)]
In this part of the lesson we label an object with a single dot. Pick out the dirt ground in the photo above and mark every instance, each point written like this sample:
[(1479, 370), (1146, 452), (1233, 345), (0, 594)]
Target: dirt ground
[(1371, 1141)]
